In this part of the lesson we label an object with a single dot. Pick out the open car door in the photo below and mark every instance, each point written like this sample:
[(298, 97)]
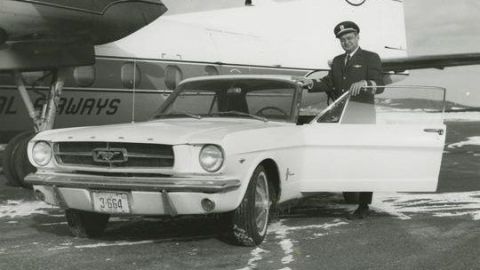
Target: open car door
[(395, 144)]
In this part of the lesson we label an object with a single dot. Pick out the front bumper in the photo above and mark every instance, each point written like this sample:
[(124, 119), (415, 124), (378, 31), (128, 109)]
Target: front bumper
[(146, 195), (186, 184)]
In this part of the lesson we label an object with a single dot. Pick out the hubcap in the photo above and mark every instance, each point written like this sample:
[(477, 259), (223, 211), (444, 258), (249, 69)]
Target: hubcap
[(262, 203)]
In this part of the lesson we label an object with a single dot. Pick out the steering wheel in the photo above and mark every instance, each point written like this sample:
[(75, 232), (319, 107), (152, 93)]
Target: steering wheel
[(260, 112)]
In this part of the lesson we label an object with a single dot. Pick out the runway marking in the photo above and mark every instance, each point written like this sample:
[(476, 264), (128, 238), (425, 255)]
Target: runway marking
[(453, 204), (20, 208)]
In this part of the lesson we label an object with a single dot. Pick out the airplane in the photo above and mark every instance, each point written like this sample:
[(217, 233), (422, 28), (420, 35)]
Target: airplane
[(77, 63)]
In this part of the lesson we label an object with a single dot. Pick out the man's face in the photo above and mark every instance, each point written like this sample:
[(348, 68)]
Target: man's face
[(349, 41)]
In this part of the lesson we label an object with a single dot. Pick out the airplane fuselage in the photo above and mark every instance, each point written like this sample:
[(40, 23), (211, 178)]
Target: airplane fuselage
[(132, 76)]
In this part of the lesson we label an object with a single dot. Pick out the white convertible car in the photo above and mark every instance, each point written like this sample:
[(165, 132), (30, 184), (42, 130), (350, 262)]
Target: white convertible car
[(236, 146)]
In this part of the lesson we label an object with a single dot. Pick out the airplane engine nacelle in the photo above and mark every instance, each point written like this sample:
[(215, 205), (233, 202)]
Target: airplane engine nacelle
[(97, 21), (48, 34)]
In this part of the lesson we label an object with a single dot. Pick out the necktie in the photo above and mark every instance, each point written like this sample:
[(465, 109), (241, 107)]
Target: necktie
[(347, 61)]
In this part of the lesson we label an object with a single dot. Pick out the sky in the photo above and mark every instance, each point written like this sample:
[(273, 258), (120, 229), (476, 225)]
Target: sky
[(443, 27)]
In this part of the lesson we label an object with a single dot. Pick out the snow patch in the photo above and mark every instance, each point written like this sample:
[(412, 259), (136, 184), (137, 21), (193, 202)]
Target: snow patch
[(53, 224), (256, 255), (56, 248), (22, 208), (281, 232), (462, 116), (470, 141), (287, 246), (123, 243), (452, 204)]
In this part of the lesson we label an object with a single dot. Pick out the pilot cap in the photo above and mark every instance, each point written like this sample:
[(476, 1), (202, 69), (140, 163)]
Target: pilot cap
[(345, 27)]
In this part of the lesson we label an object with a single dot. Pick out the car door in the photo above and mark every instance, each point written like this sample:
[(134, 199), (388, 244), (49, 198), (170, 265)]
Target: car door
[(397, 148)]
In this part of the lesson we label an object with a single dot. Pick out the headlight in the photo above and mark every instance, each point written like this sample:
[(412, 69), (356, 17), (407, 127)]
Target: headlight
[(211, 158), (42, 153)]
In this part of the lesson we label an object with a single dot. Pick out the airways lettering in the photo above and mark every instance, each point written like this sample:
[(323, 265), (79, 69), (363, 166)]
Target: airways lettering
[(72, 108), (88, 106), (83, 106)]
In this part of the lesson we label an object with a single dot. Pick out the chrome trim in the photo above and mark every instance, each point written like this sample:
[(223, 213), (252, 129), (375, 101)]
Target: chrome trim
[(168, 203), (99, 163), (440, 131), (84, 154), (137, 155), (209, 184)]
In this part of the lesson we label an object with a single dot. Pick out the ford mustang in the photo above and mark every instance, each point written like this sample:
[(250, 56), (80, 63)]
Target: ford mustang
[(236, 146)]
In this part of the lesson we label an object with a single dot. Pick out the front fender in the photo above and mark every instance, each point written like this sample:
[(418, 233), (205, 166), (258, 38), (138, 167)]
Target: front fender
[(243, 166)]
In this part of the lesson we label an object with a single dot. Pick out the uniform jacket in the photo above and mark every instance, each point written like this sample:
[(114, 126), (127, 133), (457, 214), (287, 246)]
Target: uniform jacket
[(364, 65)]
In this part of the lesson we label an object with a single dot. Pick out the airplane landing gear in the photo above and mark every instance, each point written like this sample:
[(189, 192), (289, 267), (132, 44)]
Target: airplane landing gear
[(15, 160)]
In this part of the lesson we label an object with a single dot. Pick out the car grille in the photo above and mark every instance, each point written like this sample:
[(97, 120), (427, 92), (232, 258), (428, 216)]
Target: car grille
[(113, 154)]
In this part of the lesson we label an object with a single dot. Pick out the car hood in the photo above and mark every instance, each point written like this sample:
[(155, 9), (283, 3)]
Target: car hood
[(167, 131)]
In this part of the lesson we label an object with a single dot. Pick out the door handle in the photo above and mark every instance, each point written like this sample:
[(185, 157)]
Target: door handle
[(435, 130)]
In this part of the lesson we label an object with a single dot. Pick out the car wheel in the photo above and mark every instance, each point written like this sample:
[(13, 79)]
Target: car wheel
[(86, 224), (351, 197), (9, 158), (250, 219)]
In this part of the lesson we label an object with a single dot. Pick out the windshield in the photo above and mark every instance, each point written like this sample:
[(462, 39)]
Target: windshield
[(259, 99)]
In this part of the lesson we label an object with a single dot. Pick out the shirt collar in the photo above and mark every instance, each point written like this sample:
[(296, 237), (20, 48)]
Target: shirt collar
[(354, 52)]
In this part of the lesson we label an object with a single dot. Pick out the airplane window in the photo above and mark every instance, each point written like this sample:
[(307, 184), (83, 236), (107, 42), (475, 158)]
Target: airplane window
[(84, 76), (173, 76), (211, 71), (130, 73), (34, 77)]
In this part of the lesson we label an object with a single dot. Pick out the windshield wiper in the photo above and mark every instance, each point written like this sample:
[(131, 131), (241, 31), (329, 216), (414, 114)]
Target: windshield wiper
[(242, 114), (192, 115)]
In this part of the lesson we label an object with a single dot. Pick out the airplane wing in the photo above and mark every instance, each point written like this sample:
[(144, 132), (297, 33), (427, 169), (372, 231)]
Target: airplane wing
[(44, 34), (430, 61)]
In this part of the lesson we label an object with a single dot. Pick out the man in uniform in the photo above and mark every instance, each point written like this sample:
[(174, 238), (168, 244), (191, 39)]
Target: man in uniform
[(353, 71)]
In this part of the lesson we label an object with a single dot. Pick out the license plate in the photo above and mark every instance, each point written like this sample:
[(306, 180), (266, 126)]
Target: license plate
[(111, 202)]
